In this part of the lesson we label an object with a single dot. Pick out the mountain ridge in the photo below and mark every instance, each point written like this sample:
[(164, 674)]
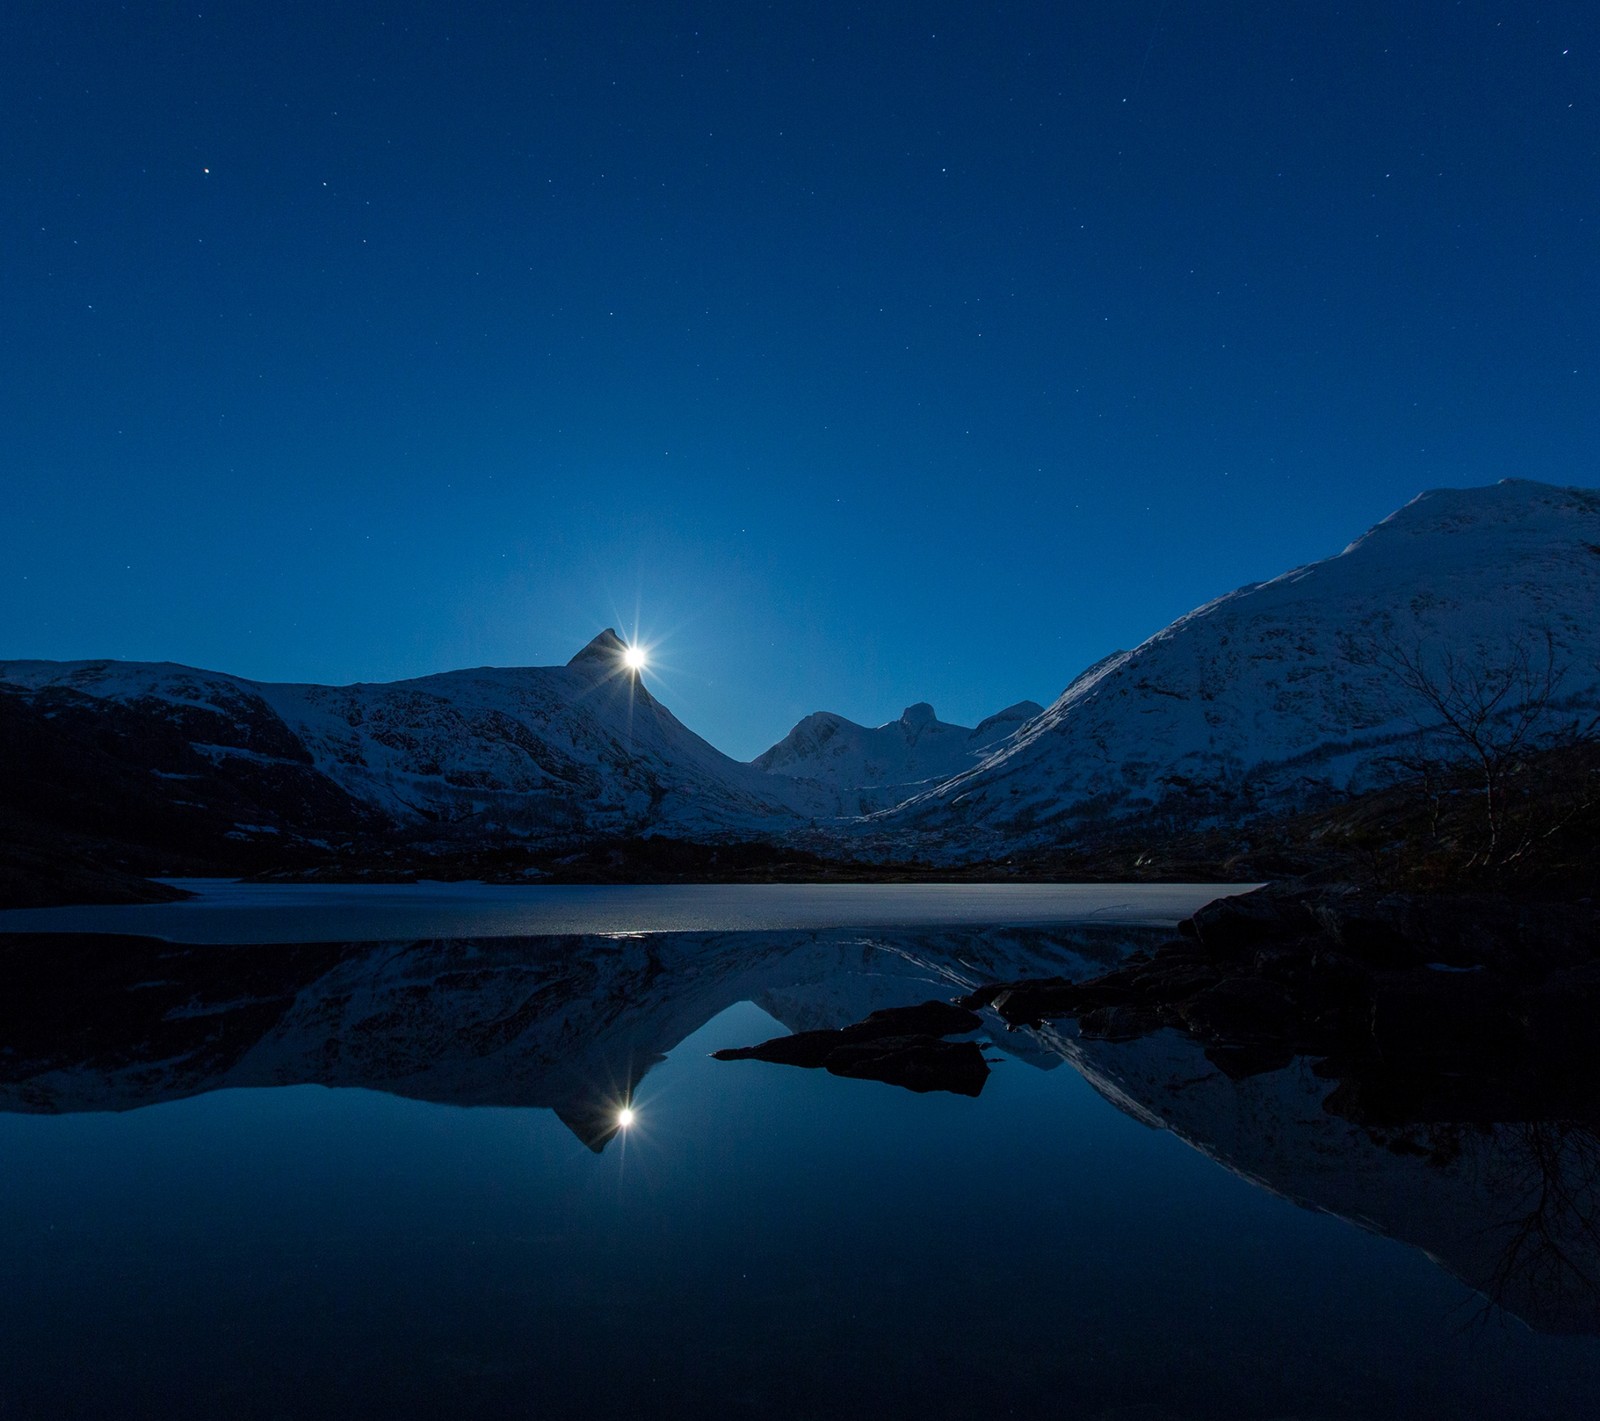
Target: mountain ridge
[(1279, 694), (1283, 690), (873, 767), (531, 753)]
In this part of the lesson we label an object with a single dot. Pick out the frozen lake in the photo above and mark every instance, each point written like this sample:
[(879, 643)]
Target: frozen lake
[(231, 912)]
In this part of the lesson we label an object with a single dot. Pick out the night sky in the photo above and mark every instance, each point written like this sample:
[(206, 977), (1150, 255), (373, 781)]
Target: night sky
[(856, 355)]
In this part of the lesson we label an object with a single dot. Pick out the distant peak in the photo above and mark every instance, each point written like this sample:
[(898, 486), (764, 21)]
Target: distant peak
[(822, 718), (605, 650), (1508, 503), (1011, 716), (913, 717)]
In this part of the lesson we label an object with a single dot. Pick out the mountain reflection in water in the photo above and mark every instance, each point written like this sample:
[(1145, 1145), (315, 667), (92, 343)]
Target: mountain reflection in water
[(571, 1024), (574, 1024)]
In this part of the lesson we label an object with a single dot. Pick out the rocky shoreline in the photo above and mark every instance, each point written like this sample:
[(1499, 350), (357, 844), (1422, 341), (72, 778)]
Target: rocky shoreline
[(1419, 1006)]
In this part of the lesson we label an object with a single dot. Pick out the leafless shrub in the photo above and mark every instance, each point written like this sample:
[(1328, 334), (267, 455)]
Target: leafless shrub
[(1550, 1234), (1482, 719)]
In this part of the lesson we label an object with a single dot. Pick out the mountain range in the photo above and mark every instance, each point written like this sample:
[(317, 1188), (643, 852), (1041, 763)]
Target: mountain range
[(1278, 694), (878, 767)]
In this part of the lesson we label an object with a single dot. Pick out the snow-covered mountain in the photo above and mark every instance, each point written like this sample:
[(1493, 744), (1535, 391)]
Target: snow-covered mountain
[(539, 753), (1287, 690), (1266, 698), (875, 767)]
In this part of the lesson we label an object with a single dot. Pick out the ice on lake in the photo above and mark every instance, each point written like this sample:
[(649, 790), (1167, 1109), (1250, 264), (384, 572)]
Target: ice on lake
[(227, 911)]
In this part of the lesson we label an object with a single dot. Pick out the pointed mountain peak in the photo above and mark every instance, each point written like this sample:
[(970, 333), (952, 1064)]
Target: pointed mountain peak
[(605, 650)]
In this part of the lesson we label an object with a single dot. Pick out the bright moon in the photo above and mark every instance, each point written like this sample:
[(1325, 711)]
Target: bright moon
[(633, 658), (624, 1118)]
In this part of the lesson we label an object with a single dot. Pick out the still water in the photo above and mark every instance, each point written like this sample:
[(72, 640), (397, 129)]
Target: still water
[(361, 1177)]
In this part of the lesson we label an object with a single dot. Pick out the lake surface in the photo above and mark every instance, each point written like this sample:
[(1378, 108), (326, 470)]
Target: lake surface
[(228, 911), (384, 1175)]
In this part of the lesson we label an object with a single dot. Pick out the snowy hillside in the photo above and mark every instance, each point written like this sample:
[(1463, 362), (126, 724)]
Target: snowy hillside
[(1287, 689), (536, 752), (870, 768), (1279, 693)]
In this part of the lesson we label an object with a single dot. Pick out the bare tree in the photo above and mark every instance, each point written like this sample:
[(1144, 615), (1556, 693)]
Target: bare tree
[(1551, 1227), (1488, 712)]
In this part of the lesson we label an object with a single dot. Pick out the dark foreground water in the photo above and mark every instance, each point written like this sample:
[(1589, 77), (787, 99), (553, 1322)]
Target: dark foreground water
[(387, 1179)]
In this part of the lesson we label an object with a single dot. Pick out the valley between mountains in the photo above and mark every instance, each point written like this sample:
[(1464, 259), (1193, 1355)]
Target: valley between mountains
[(1291, 697)]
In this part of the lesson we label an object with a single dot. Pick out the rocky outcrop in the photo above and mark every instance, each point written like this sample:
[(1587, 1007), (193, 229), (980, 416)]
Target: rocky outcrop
[(1419, 1006), (901, 1046)]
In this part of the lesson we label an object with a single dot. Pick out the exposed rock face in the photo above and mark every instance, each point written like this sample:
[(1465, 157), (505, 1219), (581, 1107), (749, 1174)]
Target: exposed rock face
[(91, 784)]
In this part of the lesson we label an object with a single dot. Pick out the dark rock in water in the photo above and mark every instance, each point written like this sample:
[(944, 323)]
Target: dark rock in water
[(920, 1063), (1175, 979), (1335, 994), (985, 996), (805, 1048), (1028, 1003), (1378, 944), (1117, 1023), (928, 1018), (899, 1045)]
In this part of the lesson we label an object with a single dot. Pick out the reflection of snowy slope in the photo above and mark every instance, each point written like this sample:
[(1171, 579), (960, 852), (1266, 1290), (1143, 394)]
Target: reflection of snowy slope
[(868, 768), (880, 970), (533, 751), (568, 1023), (1271, 692), (1469, 1197), (573, 1024)]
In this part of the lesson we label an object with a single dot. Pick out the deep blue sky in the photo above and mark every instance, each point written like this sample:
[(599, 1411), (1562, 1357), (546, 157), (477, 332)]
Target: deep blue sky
[(863, 354)]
